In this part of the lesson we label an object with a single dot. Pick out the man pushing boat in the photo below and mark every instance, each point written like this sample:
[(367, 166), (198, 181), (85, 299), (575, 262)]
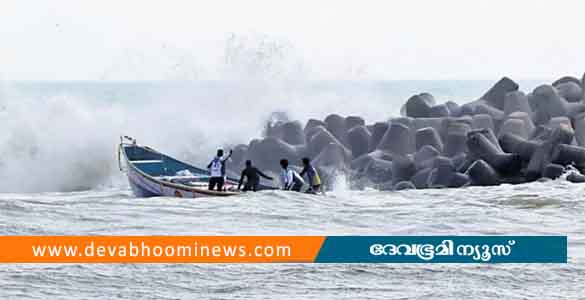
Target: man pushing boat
[(290, 179), (252, 175), (312, 175), (217, 169)]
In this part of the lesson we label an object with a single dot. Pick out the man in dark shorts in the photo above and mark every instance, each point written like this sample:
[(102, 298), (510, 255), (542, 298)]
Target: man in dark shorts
[(217, 170), (252, 174)]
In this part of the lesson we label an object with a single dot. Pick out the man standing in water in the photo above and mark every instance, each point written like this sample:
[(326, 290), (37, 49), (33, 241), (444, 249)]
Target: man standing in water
[(291, 180), (312, 175), (253, 177), (217, 169)]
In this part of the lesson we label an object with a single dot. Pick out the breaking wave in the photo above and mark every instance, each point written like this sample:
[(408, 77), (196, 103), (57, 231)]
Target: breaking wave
[(62, 136)]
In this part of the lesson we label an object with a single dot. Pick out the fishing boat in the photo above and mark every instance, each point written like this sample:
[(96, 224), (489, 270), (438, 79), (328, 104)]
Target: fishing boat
[(152, 173)]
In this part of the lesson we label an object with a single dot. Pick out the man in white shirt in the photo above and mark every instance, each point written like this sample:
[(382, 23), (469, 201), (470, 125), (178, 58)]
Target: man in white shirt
[(217, 170), (291, 180)]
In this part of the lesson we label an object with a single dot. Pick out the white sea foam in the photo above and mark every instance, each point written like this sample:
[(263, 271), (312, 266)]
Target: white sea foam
[(63, 136)]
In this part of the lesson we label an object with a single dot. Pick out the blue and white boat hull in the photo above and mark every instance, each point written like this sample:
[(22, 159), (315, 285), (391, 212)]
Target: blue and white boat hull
[(153, 174)]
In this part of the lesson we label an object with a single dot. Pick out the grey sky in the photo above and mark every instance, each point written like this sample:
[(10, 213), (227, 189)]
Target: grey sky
[(133, 40)]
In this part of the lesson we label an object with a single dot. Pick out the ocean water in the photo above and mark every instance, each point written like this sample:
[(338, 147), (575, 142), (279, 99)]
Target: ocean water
[(58, 176)]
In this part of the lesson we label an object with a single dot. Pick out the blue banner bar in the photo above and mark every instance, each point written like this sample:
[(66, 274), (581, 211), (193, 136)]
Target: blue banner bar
[(443, 249)]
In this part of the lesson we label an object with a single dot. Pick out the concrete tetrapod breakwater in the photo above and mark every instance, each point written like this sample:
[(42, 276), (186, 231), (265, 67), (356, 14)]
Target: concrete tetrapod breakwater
[(505, 136)]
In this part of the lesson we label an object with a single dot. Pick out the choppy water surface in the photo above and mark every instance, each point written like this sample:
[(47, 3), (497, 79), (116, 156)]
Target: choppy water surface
[(555, 207), (62, 137)]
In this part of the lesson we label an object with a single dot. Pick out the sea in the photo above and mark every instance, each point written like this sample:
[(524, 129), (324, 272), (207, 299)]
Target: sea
[(59, 175)]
